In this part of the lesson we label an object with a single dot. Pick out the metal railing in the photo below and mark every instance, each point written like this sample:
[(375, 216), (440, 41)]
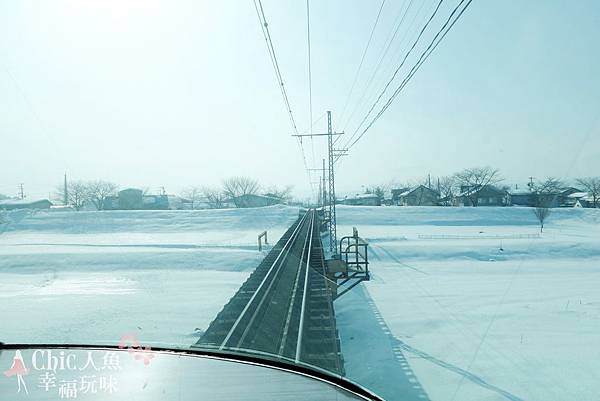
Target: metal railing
[(354, 252), (261, 235)]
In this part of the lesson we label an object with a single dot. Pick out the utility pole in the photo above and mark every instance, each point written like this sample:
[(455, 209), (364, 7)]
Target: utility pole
[(322, 196), (65, 192), (21, 192), (330, 198)]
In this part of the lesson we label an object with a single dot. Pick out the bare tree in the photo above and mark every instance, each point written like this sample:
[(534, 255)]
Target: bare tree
[(235, 187), (285, 193), (214, 197), (78, 194), (446, 188), (542, 214), (592, 187), (97, 191), (193, 194), (473, 180), (545, 194)]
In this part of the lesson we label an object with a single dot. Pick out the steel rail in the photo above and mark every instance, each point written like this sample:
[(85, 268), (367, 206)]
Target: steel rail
[(304, 296), (264, 280), (305, 253), (266, 294)]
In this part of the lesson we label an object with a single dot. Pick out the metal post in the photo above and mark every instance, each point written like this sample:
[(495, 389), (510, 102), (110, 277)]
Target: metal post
[(65, 192), (324, 187)]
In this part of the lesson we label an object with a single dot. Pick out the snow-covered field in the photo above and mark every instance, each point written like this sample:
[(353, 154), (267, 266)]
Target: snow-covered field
[(493, 315), (91, 277), (464, 304)]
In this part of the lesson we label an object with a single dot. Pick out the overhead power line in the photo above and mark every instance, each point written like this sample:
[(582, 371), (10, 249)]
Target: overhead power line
[(439, 36), (391, 80), (273, 57), (391, 36), (267, 35), (362, 59)]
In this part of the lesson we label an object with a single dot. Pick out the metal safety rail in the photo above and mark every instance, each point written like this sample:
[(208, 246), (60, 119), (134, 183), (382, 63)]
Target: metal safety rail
[(284, 309), (354, 252)]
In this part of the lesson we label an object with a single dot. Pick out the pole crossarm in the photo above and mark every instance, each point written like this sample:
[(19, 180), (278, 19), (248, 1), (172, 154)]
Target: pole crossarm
[(325, 134)]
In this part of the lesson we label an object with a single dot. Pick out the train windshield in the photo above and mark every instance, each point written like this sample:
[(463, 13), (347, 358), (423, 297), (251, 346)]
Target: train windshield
[(392, 200)]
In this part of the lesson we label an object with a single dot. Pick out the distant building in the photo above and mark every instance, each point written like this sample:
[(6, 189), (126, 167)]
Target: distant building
[(560, 198), (253, 200), (580, 199), (131, 199), (564, 199), (522, 197), (418, 196), (362, 200), (175, 202), (155, 202), (13, 204), (396, 194), (486, 195), (134, 199), (110, 203)]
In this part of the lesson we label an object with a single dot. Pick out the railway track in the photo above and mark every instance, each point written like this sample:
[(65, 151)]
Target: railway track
[(284, 309)]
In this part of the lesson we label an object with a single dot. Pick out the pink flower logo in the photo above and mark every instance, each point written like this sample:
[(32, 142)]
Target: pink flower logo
[(134, 348)]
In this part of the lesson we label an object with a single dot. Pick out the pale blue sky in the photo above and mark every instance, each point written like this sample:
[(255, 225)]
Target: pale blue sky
[(178, 93)]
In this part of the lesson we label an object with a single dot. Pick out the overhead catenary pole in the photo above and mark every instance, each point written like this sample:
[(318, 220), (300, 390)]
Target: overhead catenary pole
[(332, 217), (330, 187)]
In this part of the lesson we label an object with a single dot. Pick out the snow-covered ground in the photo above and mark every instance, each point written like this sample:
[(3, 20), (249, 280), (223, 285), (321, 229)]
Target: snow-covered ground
[(465, 303), (91, 277), (492, 314)]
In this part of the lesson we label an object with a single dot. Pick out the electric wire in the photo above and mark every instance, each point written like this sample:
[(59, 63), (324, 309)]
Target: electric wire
[(391, 80), (362, 59), (439, 36), (272, 55)]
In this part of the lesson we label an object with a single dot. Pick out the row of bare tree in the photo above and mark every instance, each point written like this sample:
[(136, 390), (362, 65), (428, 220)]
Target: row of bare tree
[(80, 193), (231, 190)]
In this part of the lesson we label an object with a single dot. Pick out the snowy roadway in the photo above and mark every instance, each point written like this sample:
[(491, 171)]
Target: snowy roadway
[(482, 310)]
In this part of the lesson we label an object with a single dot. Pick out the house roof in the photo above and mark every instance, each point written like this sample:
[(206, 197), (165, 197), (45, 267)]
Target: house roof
[(409, 191), (362, 196), (22, 202), (258, 196), (579, 195), (480, 188), (520, 192)]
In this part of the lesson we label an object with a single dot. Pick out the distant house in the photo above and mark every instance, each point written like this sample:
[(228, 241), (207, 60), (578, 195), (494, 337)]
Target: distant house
[(134, 199), (396, 194), (486, 195), (13, 204), (110, 203), (253, 200), (522, 197), (564, 199), (418, 196), (155, 202), (131, 199), (362, 200), (580, 199)]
